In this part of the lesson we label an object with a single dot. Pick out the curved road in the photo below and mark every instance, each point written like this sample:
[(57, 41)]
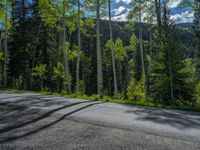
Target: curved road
[(40, 122)]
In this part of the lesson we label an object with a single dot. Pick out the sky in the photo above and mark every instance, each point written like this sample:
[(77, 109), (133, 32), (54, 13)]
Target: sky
[(120, 10)]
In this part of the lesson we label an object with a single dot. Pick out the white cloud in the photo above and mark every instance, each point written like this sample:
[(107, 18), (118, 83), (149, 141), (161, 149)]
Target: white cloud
[(119, 10), (173, 3), (120, 13), (125, 1), (120, 18), (187, 16)]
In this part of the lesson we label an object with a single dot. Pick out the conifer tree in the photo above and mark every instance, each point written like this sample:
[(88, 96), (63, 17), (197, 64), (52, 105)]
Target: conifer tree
[(170, 67), (197, 34)]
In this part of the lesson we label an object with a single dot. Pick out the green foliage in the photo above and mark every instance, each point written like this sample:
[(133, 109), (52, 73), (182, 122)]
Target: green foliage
[(47, 12), (1, 56), (72, 16), (137, 7), (82, 87), (129, 26), (188, 71), (40, 70), (135, 90), (132, 51), (40, 24), (86, 25), (58, 71), (186, 85), (197, 92), (121, 95), (107, 57), (73, 53), (133, 44), (172, 76), (196, 27), (119, 49), (4, 8)]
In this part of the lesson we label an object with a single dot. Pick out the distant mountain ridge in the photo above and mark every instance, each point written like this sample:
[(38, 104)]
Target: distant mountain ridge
[(120, 9)]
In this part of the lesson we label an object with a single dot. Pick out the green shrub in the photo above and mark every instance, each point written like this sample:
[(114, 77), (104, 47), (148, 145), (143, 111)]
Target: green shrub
[(95, 97), (1, 56), (121, 95), (82, 87), (197, 92), (135, 90)]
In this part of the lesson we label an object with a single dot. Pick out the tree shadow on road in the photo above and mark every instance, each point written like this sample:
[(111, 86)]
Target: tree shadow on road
[(17, 122), (21, 103), (177, 119)]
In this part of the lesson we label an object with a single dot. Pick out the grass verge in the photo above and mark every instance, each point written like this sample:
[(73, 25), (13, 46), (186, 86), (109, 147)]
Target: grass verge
[(146, 103), (94, 97)]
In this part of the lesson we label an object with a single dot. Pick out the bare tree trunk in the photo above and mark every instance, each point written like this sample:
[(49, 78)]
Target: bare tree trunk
[(158, 13), (79, 49), (64, 50), (142, 52), (113, 53), (150, 41), (0, 52), (171, 78), (99, 59), (58, 85), (120, 76), (150, 54), (41, 84), (110, 90), (0, 41), (34, 53), (141, 47), (6, 45)]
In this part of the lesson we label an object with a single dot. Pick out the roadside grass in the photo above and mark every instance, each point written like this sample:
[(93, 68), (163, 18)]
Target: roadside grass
[(146, 103), (95, 97)]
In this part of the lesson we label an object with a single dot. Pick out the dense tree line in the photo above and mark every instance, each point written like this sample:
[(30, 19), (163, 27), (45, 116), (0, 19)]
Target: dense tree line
[(68, 46)]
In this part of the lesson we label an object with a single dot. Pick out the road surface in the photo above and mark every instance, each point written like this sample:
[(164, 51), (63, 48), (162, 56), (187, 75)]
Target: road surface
[(40, 122)]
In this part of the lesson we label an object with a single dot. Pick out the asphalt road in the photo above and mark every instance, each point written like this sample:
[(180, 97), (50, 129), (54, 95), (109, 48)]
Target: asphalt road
[(39, 122)]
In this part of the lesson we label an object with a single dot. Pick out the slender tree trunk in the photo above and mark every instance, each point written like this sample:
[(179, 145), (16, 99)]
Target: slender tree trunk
[(113, 53), (171, 78), (110, 90), (150, 41), (79, 49), (6, 45), (41, 84), (34, 53), (141, 47), (64, 50), (158, 13), (0, 42), (0, 52), (142, 52), (120, 78), (99, 59), (58, 85), (127, 71), (150, 54)]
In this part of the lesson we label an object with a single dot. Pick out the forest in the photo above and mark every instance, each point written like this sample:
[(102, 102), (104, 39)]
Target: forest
[(73, 47)]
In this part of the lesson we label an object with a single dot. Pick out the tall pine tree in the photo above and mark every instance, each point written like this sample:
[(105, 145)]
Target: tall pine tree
[(197, 34)]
